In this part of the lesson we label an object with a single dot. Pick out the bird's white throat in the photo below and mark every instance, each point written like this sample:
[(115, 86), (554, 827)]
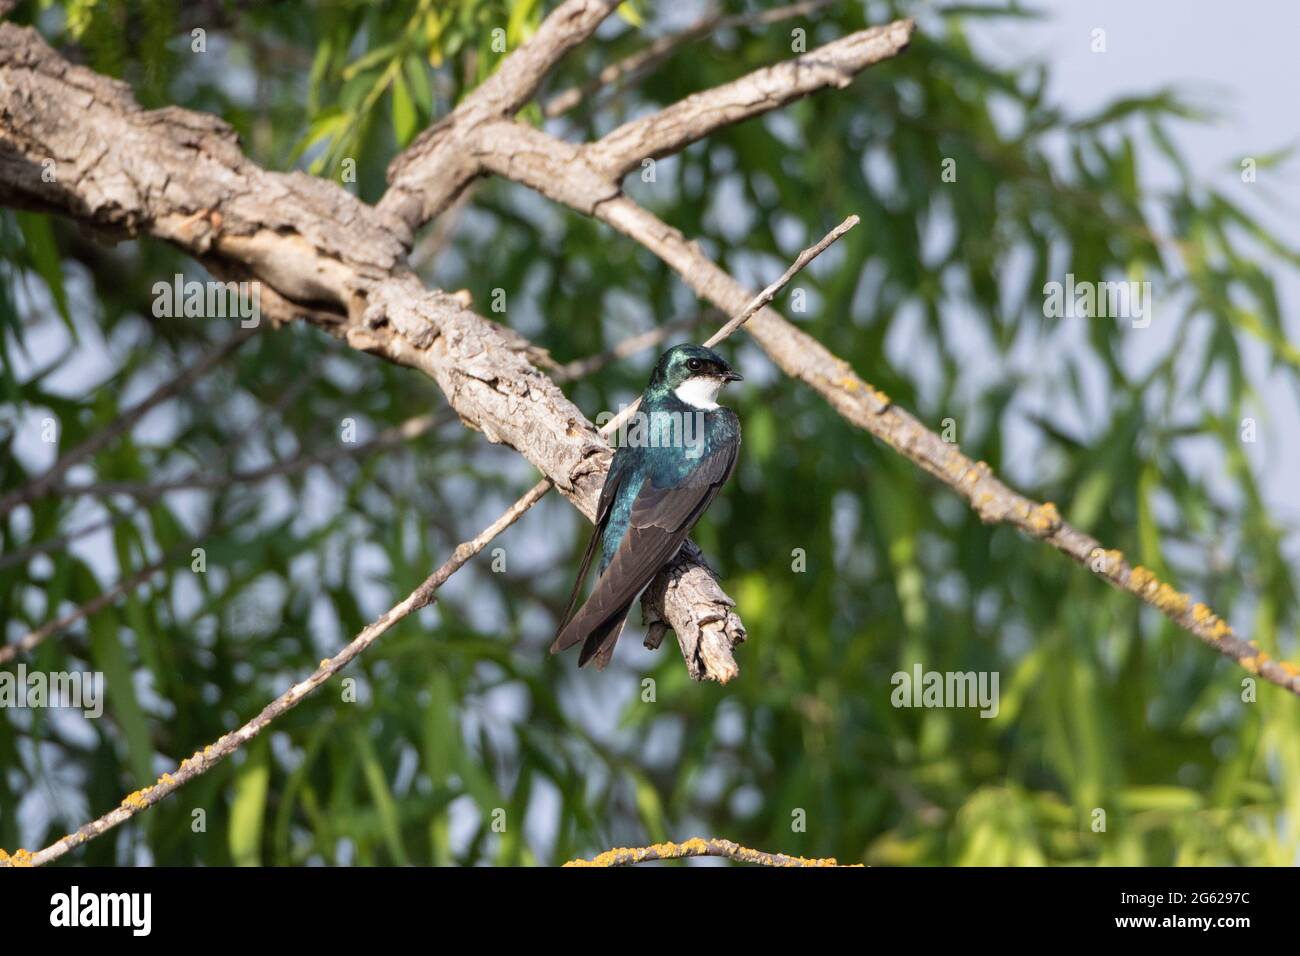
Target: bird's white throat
[(700, 391)]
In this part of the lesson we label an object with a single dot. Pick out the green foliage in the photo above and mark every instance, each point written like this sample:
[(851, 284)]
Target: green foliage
[(458, 712)]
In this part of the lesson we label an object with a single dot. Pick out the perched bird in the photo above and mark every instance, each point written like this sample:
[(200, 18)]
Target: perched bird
[(681, 448)]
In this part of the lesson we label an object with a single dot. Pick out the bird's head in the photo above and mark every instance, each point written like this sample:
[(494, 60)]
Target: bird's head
[(694, 374)]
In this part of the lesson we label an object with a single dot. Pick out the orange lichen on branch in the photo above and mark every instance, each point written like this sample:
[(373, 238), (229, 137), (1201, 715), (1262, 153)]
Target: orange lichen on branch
[(1157, 593), (1111, 561), (136, 800), (1044, 519), (697, 846), (852, 384), (22, 858), (1139, 579), (1201, 620), (1170, 600)]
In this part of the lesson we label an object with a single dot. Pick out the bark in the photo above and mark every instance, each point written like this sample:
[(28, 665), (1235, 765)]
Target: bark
[(319, 254)]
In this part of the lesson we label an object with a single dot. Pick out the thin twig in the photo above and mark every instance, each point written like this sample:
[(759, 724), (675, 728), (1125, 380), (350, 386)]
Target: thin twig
[(654, 53), (754, 304), (770, 293), (627, 856), (203, 760), (580, 368), (420, 597), (758, 302), (601, 164)]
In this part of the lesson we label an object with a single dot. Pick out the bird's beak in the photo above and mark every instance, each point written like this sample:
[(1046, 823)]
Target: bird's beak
[(731, 375)]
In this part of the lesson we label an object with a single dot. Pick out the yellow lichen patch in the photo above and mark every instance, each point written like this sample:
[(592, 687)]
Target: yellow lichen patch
[(167, 780), (1291, 669), (850, 383), (1044, 519), (1201, 614), (1169, 600), (615, 857), (1219, 630), (136, 800), (696, 846), (1110, 560), (325, 662), (193, 760), (1139, 579), (1250, 663), (20, 858)]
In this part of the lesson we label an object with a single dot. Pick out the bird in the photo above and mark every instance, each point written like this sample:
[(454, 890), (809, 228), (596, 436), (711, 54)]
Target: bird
[(681, 448)]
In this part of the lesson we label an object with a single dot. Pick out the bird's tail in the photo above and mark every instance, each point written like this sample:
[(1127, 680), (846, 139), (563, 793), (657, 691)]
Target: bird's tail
[(599, 646), (598, 633)]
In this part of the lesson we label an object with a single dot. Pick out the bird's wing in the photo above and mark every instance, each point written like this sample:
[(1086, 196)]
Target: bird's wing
[(618, 469), (661, 518)]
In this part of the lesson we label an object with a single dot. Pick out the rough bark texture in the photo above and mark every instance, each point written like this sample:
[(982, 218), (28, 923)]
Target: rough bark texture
[(319, 253), (431, 172), (676, 127), (585, 178), (324, 256)]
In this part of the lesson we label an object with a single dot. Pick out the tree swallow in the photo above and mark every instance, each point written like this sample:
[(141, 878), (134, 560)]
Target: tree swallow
[(681, 448)]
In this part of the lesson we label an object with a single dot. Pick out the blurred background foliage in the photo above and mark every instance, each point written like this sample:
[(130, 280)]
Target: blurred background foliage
[(936, 298)]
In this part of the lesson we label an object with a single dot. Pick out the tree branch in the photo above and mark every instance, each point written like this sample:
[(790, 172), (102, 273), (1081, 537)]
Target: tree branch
[(580, 368), (316, 252), (707, 649), (584, 178), (207, 758), (430, 173), (654, 53), (627, 856), (676, 127), (707, 642)]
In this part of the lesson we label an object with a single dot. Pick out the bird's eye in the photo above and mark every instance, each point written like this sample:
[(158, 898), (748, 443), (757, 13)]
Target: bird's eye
[(694, 365)]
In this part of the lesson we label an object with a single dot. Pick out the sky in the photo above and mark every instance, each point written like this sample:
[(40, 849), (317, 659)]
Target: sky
[(1239, 61)]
